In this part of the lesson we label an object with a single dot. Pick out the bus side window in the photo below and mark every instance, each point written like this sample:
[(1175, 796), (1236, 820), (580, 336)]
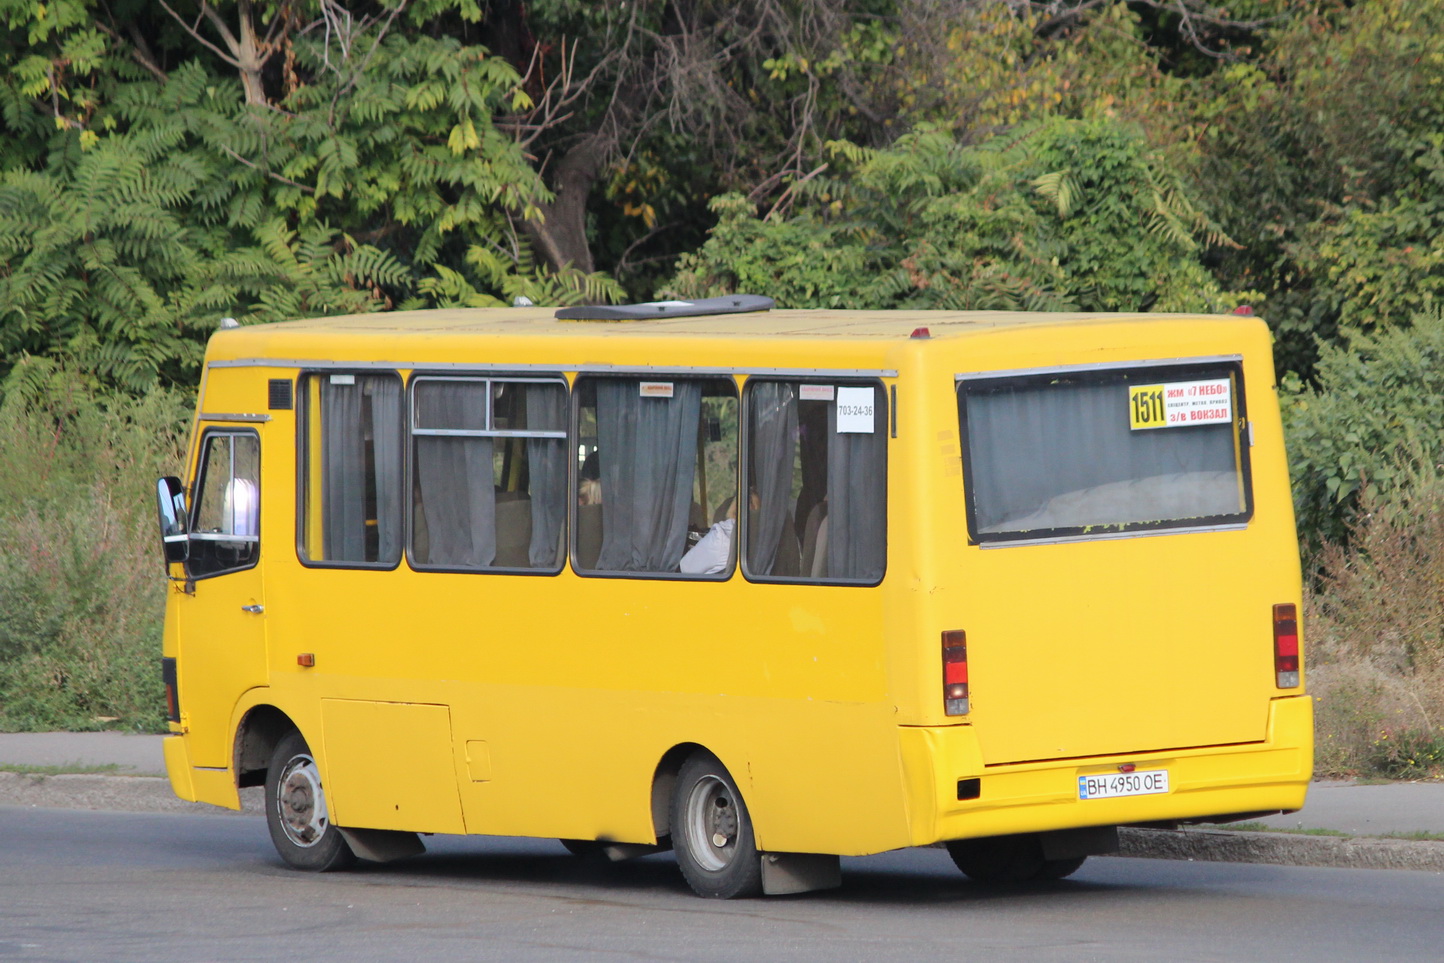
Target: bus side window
[(489, 485), (226, 524), (351, 469), (656, 476), (817, 465)]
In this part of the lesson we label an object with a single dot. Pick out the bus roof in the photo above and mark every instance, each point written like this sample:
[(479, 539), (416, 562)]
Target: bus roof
[(803, 324)]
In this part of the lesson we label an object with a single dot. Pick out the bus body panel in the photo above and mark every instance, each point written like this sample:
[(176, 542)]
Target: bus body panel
[(543, 704)]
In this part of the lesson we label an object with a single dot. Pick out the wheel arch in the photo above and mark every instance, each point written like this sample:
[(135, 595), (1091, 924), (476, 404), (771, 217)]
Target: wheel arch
[(259, 732), (664, 784)]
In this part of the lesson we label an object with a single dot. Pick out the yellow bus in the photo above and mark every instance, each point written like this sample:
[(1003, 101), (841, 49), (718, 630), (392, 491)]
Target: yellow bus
[(764, 587)]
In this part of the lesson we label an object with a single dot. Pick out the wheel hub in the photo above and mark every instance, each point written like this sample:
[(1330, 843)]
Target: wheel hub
[(712, 814), (300, 802)]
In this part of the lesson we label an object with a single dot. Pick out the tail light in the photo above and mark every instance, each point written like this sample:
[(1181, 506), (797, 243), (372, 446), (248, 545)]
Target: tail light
[(172, 699), (955, 672), (1286, 645)]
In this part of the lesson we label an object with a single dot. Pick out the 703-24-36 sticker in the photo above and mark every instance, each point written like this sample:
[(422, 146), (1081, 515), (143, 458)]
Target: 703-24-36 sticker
[(1180, 404)]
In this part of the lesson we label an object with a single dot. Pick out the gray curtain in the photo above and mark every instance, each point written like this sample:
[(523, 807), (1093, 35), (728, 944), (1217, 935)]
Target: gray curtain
[(546, 410), (344, 471), (773, 441), (857, 499), (648, 453), (454, 476), (1029, 445), (386, 445)]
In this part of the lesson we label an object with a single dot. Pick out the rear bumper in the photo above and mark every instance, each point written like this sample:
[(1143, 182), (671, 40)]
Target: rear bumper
[(1214, 781)]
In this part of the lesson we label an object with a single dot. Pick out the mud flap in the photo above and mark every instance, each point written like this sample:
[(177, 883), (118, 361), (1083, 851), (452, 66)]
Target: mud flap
[(784, 873), (382, 845)]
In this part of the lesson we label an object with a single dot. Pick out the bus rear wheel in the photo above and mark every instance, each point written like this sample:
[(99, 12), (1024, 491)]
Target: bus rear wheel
[(712, 832), (296, 811), (1000, 859), (1059, 868)]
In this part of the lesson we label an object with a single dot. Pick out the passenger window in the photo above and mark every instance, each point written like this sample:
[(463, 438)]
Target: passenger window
[(489, 480), (657, 476), (1083, 454), (817, 477), (225, 530), (351, 469)]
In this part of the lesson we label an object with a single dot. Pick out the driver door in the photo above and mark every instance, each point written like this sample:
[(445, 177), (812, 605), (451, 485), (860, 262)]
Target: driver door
[(222, 635)]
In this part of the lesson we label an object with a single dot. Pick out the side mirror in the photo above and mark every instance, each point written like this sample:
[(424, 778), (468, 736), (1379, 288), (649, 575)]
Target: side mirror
[(170, 500)]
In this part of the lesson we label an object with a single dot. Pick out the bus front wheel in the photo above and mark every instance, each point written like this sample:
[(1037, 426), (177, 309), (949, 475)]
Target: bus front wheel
[(712, 832), (296, 810)]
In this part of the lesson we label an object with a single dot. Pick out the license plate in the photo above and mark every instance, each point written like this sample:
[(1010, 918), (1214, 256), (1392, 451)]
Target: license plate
[(1111, 785)]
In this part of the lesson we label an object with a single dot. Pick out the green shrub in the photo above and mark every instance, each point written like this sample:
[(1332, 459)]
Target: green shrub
[(80, 571), (1374, 633), (1372, 419), (1405, 753)]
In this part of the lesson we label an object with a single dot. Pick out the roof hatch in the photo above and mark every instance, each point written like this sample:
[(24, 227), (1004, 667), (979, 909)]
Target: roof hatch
[(731, 304)]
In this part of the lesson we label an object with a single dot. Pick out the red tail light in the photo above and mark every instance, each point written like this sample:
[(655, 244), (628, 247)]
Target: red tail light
[(172, 699), (1286, 645), (955, 672)]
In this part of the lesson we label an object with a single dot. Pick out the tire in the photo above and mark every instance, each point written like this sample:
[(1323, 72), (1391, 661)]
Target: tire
[(712, 832), (1000, 859), (296, 811), (1059, 868)]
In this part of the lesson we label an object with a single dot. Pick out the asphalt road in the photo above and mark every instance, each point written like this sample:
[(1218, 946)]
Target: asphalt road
[(91, 886)]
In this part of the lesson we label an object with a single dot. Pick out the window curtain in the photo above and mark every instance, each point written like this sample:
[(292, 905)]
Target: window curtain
[(546, 409), (386, 445), (1028, 445), (648, 453), (773, 405), (454, 477), (343, 472), (857, 499)]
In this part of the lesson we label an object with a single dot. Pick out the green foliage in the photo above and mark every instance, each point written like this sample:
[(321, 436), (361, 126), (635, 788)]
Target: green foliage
[(135, 212), (1323, 161), (1409, 753), (1370, 420), (1374, 633), (79, 567), (1059, 215)]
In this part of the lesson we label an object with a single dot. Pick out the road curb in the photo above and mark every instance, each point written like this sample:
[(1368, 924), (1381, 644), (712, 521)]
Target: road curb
[(132, 794), (1284, 849)]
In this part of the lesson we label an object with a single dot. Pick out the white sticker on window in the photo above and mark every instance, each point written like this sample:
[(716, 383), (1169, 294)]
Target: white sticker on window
[(815, 393), (656, 389), (343, 379), (854, 410), (1180, 404)]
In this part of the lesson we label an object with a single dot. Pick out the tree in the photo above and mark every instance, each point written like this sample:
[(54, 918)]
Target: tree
[(347, 166), (1322, 158), (1057, 215)]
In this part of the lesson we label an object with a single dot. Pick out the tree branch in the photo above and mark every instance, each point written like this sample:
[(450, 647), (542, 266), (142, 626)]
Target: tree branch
[(194, 31)]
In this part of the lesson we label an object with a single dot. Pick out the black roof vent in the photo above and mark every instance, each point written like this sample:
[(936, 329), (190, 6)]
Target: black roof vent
[(731, 304)]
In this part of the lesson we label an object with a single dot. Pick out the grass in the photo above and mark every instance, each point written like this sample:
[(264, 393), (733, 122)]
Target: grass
[(64, 769), (1257, 827)]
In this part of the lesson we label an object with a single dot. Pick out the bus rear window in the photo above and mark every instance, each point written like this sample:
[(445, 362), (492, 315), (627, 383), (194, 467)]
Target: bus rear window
[(1065, 454)]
